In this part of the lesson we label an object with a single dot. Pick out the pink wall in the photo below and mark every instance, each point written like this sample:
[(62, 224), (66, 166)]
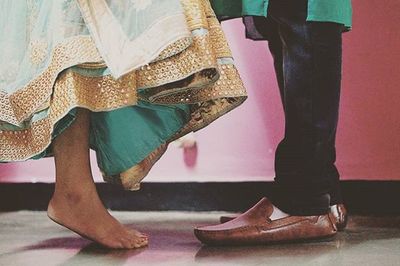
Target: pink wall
[(241, 145), (369, 130)]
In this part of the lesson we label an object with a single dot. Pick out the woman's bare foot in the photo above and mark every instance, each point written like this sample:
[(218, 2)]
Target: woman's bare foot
[(75, 203), (83, 213)]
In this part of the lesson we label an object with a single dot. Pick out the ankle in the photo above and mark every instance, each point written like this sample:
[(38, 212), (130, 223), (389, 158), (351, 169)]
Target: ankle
[(76, 182), (74, 194)]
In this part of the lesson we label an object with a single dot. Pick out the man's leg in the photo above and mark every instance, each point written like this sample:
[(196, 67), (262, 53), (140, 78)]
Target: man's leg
[(288, 33), (307, 59), (268, 28), (311, 66)]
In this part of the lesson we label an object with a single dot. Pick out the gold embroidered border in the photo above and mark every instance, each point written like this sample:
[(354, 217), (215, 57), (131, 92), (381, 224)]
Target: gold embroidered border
[(15, 144), (229, 84), (27, 100), (195, 13), (6, 112), (174, 49), (197, 57), (218, 39), (208, 10), (70, 90), (95, 93)]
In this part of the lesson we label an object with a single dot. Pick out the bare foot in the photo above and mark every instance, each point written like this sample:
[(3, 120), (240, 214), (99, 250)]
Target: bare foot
[(83, 213)]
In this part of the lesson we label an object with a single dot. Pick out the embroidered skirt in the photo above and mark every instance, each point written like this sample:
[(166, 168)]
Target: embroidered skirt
[(150, 71)]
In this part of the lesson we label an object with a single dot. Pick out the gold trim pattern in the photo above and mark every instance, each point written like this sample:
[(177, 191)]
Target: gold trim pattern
[(70, 90), (73, 51), (174, 49), (15, 144), (195, 13), (192, 60), (6, 113), (95, 93), (229, 84), (218, 39)]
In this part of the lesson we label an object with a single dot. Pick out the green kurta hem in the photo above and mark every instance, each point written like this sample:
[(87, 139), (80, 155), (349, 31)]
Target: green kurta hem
[(337, 11)]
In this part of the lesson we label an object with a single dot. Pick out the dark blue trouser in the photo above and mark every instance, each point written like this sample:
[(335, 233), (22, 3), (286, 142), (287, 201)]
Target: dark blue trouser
[(307, 60)]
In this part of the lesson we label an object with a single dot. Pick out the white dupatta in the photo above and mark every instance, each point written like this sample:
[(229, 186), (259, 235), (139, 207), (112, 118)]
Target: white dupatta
[(131, 34)]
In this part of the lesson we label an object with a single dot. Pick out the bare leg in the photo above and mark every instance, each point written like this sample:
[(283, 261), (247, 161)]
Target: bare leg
[(75, 203)]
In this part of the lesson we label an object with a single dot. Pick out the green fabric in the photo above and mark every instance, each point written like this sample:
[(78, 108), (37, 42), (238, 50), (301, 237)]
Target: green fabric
[(124, 137), (339, 11)]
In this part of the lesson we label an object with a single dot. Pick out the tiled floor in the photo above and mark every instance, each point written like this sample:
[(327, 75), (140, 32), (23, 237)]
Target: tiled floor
[(29, 238)]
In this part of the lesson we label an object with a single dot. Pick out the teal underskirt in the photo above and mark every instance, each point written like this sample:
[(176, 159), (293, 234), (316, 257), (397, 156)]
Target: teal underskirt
[(124, 137)]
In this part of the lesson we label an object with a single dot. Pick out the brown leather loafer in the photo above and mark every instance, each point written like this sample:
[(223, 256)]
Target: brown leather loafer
[(254, 227), (338, 212)]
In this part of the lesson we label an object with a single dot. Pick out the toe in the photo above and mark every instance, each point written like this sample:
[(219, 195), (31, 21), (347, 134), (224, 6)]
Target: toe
[(137, 234), (128, 243), (141, 244)]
